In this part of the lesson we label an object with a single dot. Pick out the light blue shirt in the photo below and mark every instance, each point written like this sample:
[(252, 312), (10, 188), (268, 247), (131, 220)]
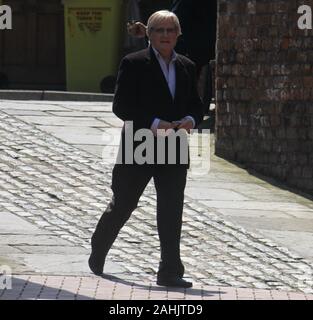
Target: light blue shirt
[(169, 72)]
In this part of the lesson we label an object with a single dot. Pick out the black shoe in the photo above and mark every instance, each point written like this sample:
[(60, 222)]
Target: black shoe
[(173, 282), (176, 269), (96, 268)]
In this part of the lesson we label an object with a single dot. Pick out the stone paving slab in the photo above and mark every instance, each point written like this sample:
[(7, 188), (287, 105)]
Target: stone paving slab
[(63, 121), (302, 242), (275, 214), (42, 95), (255, 205), (78, 114), (24, 112), (43, 287), (200, 193), (76, 135), (31, 106), (64, 190)]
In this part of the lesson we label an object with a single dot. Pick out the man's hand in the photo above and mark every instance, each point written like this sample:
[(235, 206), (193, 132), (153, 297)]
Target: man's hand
[(184, 123), (164, 126), (136, 29)]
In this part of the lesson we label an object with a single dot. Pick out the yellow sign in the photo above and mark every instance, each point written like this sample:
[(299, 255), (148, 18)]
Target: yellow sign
[(86, 19)]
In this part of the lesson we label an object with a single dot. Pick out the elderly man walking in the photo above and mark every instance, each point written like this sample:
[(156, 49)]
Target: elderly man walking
[(156, 91)]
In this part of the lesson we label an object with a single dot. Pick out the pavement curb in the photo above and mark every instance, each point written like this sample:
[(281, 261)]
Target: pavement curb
[(54, 95)]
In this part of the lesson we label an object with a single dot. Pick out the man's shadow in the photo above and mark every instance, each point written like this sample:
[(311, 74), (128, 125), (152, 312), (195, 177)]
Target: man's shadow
[(22, 289), (189, 291)]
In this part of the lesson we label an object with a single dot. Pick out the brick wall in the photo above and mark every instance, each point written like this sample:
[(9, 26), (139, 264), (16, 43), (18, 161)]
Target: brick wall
[(264, 86)]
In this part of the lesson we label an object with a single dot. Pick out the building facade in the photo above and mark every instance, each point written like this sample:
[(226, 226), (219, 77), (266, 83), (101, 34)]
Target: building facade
[(38, 52), (32, 54)]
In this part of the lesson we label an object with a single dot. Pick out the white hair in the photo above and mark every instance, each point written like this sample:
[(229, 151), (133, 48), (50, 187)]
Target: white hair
[(160, 16)]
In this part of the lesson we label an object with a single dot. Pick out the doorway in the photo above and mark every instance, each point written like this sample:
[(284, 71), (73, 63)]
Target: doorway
[(32, 54)]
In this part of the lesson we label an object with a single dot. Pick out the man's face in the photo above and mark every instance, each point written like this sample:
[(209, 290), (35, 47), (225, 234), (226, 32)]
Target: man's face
[(164, 36)]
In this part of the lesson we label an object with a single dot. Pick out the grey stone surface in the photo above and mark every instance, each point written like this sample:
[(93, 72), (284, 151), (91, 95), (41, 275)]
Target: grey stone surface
[(256, 205), (94, 107), (76, 135), (51, 263), (300, 242), (29, 247), (54, 95), (24, 112), (113, 122), (242, 213), (100, 151), (275, 224), (79, 114), (32, 240), (60, 249), (12, 224), (8, 249), (63, 121), (76, 96), (236, 226), (199, 193), (24, 105)]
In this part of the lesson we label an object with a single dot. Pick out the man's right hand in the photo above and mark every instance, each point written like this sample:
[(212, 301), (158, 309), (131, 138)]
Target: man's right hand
[(136, 29), (164, 126)]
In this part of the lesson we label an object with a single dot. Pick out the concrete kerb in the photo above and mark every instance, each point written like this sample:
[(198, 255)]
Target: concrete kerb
[(54, 95)]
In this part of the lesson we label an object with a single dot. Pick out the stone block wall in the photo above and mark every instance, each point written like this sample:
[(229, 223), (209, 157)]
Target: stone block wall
[(264, 84)]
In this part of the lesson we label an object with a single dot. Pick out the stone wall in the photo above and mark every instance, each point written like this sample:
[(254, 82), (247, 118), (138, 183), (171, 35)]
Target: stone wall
[(264, 86)]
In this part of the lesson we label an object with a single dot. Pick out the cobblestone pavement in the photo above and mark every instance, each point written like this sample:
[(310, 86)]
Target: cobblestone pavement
[(64, 190)]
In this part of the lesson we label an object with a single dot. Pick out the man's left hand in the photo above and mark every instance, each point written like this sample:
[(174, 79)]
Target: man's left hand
[(184, 123)]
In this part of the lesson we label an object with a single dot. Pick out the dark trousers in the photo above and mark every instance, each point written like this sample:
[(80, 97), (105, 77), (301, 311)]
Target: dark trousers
[(128, 184)]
